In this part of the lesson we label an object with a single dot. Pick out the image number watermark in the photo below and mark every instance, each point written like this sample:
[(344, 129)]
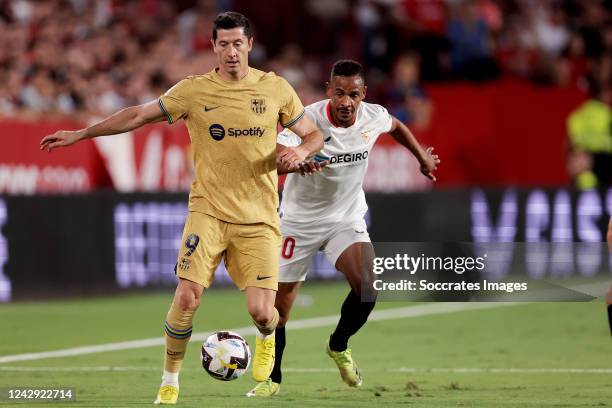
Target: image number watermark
[(40, 394)]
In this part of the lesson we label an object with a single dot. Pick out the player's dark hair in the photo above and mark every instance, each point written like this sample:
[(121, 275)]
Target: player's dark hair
[(229, 20), (347, 68)]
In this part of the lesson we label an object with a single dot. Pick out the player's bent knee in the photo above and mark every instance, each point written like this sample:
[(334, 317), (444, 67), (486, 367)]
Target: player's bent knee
[(187, 295), (609, 296), (186, 301), (260, 314)]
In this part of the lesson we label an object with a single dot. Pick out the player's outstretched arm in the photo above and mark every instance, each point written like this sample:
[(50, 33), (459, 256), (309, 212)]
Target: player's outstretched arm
[(123, 121), (428, 161), (312, 142)]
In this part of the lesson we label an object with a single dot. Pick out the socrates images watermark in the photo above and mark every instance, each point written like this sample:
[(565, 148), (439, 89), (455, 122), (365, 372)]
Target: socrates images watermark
[(487, 271), (413, 265)]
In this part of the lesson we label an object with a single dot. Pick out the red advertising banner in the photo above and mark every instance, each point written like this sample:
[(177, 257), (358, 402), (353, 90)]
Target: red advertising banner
[(153, 158), (25, 169), (495, 134)]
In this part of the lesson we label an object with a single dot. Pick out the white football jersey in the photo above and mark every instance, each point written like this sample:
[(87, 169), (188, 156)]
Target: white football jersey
[(336, 193)]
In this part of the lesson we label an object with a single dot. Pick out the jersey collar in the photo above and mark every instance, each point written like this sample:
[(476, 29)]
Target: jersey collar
[(329, 116), (242, 80)]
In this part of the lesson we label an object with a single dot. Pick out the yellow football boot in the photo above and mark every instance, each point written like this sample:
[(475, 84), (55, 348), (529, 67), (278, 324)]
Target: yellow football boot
[(348, 368), (267, 388), (263, 361), (167, 395)]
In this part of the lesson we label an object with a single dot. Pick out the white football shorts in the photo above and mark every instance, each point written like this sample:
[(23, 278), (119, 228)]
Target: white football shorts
[(301, 243)]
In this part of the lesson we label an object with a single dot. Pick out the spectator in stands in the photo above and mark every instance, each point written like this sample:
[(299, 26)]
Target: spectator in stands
[(472, 46), (423, 23), (406, 98), (572, 66), (53, 52)]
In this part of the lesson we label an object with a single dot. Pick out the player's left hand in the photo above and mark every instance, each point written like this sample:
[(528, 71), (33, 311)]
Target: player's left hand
[(292, 157), (429, 163)]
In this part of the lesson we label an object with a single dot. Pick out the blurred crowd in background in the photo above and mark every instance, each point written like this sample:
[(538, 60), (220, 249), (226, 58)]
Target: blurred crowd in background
[(72, 57)]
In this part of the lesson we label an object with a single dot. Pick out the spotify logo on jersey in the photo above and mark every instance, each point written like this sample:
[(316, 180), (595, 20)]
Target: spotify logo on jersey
[(217, 132)]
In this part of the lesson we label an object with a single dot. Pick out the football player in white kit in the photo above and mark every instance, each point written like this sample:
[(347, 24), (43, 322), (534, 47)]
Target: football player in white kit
[(325, 210)]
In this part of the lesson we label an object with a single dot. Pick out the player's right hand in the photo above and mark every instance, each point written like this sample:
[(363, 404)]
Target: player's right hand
[(292, 157), (429, 163), (307, 168), (61, 138)]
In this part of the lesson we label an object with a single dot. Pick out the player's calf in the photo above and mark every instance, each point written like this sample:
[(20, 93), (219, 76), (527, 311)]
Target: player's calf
[(177, 332), (353, 315), (355, 262), (260, 304), (264, 350)]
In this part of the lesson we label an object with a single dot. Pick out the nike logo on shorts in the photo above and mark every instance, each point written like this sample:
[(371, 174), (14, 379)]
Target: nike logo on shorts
[(263, 277), (207, 109)]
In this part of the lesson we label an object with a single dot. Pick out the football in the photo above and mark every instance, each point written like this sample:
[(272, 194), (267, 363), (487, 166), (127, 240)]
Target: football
[(225, 355)]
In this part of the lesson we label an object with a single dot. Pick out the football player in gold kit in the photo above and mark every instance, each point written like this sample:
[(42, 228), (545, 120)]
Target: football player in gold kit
[(231, 114)]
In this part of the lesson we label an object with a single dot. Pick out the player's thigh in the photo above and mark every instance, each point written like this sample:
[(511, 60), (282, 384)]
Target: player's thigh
[(252, 256), (202, 244), (287, 292), (299, 246), (350, 250), (355, 263)]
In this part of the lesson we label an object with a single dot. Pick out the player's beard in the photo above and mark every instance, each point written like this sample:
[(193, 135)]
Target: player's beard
[(345, 116)]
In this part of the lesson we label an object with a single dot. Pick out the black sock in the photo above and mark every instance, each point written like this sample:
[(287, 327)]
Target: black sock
[(353, 315), (280, 341), (610, 317)]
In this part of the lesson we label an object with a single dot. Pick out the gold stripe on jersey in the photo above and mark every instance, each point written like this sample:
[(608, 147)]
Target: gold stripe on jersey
[(294, 121), (233, 126), (163, 109)]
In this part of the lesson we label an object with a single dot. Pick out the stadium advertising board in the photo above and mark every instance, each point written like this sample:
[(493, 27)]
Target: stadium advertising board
[(122, 241), (24, 169), (127, 241)]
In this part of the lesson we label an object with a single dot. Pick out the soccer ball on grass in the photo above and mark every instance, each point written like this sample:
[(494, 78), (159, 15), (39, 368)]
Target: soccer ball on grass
[(225, 355)]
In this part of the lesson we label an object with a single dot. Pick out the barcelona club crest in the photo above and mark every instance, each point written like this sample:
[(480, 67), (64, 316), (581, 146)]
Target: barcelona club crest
[(258, 106)]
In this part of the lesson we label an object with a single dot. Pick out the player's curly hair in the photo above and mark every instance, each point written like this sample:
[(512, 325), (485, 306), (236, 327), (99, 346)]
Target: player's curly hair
[(347, 68), (229, 20)]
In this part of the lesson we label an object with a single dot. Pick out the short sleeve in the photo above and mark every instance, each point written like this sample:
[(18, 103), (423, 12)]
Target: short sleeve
[(174, 102), (288, 138), (291, 109), (385, 119)]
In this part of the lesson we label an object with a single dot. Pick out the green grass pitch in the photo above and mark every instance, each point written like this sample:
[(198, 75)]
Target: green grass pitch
[(527, 355)]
